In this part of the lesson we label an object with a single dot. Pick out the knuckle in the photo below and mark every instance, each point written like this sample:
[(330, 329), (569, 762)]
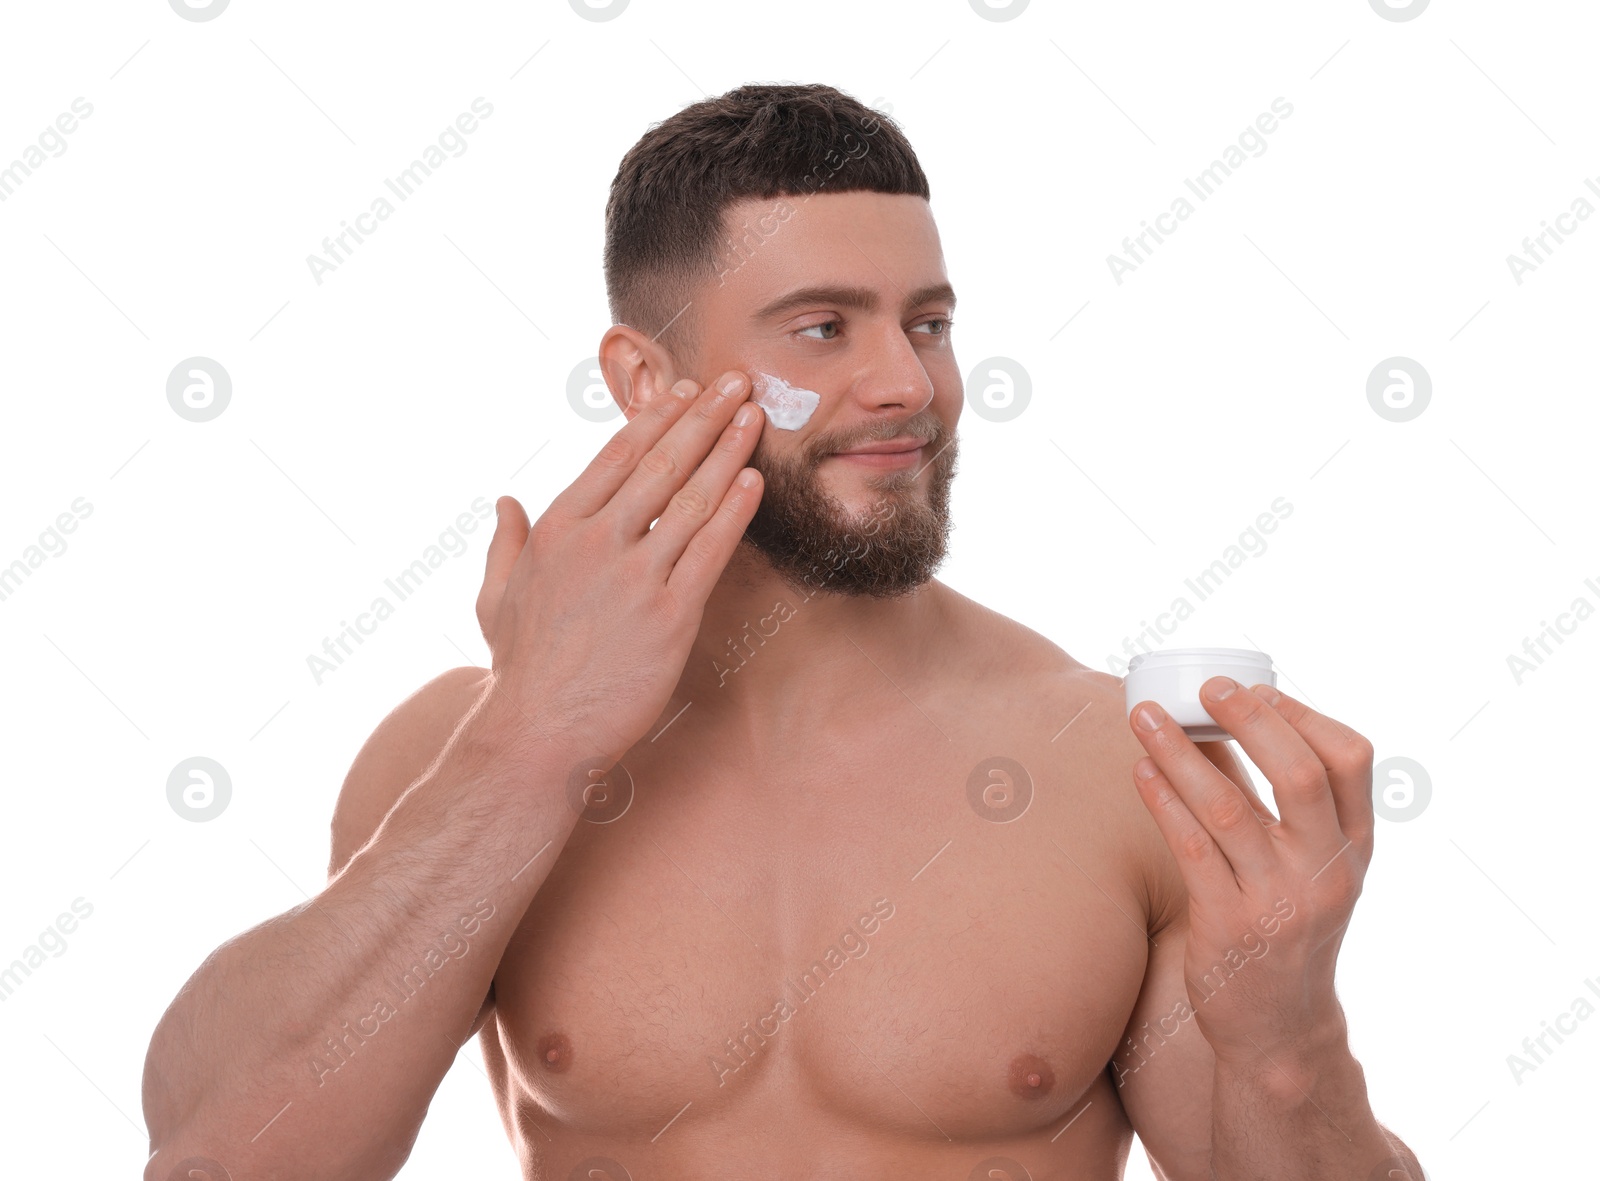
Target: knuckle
[(616, 453), (1305, 775), (1231, 812), (658, 462), (1195, 846), (1357, 753), (1340, 883), (691, 502)]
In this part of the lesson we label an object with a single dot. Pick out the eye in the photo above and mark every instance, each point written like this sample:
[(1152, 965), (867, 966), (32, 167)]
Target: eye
[(834, 324), (944, 322)]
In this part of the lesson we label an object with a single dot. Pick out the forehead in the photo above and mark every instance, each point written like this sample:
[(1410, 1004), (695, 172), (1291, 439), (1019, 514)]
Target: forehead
[(884, 241)]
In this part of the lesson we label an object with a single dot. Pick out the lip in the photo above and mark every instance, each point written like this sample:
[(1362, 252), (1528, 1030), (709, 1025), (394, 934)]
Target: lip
[(891, 453), (885, 453)]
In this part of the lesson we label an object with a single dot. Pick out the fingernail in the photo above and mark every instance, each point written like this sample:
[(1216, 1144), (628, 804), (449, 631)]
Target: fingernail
[(745, 415), (732, 383), (685, 389), (1221, 687), (1149, 717), (1267, 693), (1145, 768)]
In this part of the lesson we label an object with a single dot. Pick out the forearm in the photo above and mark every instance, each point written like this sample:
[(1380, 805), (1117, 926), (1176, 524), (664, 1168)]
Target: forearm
[(1301, 1113), (311, 1045)]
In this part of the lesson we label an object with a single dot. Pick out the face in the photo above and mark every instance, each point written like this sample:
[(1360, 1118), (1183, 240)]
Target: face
[(843, 294)]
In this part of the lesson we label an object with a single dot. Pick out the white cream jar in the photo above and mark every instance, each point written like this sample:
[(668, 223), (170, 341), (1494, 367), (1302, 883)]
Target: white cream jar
[(1172, 679)]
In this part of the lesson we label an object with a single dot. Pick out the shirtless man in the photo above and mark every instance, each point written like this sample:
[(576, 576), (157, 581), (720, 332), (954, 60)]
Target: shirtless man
[(759, 852)]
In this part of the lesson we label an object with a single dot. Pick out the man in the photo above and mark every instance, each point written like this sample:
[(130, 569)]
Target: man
[(761, 852)]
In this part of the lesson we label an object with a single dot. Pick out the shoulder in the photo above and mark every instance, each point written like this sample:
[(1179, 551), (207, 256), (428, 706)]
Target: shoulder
[(396, 754), (1080, 719)]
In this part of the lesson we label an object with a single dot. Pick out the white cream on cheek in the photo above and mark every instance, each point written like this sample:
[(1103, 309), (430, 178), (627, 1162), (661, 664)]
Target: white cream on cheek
[(788, 406)]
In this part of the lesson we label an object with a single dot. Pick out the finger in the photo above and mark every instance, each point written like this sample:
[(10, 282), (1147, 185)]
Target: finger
[(693, 504), (510, 536), (1345, 755), (1298, 775), (1214, 799), (668, 466), (615, 462), (1206, 872), (708, 551), (1225, 760)]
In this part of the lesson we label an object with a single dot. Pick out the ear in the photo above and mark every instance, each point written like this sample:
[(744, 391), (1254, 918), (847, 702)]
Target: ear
[(637, 369)]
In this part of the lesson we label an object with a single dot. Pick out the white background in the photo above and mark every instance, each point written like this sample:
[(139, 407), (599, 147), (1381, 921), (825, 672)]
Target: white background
[(370, 410)]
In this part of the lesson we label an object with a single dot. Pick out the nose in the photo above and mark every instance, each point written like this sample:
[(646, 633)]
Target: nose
[(894, 377)]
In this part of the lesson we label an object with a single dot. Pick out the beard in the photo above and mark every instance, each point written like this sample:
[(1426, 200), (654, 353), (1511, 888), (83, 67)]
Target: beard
[(813, 542)]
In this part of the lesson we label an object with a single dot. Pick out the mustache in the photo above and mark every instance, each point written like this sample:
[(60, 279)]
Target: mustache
[(924, 426)]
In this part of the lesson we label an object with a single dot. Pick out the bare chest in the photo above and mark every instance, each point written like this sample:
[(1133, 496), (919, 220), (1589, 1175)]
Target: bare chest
[(920, 939)]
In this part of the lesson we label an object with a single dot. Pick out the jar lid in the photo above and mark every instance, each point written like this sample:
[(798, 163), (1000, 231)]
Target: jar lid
[(1172, 657)]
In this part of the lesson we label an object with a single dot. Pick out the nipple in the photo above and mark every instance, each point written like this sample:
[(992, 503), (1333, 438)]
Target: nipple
[(1030, 1076), (554, 1052)]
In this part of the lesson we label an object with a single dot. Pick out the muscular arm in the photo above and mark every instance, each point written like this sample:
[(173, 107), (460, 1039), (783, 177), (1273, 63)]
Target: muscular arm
[(310, 1046)]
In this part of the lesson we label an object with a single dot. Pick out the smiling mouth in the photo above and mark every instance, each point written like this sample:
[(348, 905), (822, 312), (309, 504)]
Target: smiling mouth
[(898, 458)]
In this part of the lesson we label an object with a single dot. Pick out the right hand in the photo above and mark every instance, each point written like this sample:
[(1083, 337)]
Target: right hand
[(590, 615)]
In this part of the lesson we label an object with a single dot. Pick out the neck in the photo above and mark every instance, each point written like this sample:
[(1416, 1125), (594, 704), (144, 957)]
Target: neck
[(772, 659)]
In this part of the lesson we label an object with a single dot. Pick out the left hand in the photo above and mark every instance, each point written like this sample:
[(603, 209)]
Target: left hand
[(1269, 901)]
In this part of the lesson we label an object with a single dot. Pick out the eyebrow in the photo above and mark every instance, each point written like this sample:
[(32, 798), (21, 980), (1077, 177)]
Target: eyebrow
[(857, 299)]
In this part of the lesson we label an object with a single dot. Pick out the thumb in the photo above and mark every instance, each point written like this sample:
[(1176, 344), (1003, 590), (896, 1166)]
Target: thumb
[(510, 536)]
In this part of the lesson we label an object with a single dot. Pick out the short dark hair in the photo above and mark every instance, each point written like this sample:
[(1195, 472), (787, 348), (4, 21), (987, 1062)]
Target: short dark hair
[(664, 216)]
